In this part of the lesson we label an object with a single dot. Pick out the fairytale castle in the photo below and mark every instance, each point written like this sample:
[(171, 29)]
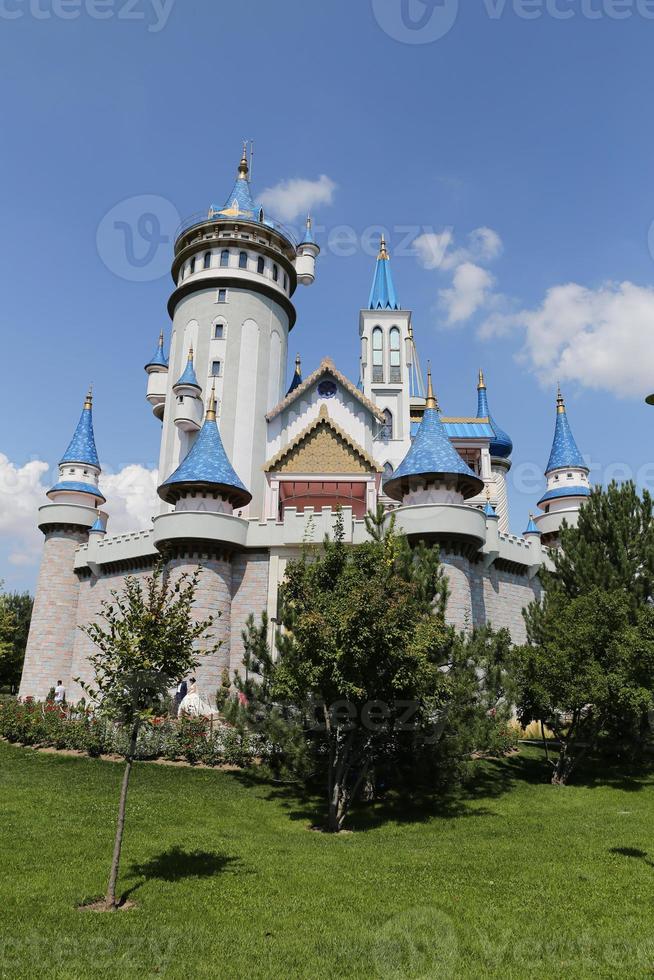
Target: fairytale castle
[(249, 470)]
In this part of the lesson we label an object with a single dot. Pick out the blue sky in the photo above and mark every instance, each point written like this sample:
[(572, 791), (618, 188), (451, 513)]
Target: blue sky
[(537, 130)]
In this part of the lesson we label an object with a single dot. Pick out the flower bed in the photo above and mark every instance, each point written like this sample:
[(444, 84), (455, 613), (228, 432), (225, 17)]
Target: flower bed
[(196, 740)]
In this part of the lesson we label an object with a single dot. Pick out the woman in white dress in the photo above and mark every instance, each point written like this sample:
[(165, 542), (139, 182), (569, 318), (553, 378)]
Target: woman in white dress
[(193, 704)]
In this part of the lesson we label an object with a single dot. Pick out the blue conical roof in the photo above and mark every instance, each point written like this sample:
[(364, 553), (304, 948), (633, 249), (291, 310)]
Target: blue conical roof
[(307, 236), (188, 375), (81, 448), (382, 294), (297, 376), (206, 466), (489, 510), (240, 203), (502, 445), (159, 359), (99, 526), (531, 527), (432, 455), (565, 453)]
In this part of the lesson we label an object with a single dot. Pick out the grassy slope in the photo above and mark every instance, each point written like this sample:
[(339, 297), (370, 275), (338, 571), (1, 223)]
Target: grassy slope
[(521, 879)]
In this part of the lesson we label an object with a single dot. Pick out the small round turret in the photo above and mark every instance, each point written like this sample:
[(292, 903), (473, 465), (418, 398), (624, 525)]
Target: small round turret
[(157, 372)]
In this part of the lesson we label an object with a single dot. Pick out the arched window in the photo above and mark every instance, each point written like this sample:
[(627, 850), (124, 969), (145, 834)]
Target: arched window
[(207, 260), (242, 260), (275, 273), (377, 355), (261, 265), (388, 471), (396, 368), (192, 265), (219, 331), (387, 427), (224, 258)]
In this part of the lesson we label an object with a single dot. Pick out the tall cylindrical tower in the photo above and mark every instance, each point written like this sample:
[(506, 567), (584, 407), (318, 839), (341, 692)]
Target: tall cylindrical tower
[(235, 275)]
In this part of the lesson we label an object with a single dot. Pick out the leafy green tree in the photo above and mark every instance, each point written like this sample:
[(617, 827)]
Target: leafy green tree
[(147, 643), (611, 548), (589, 670), (16, 607)]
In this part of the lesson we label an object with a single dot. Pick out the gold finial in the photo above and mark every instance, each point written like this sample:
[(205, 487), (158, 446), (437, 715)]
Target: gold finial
[(88, 401), (560, 402), (161, 338), (298, 364), (482, 383), (190, 355), (383, 251), (244, 167), (431, 397), (309, 221), (488, 493), (211, 409)]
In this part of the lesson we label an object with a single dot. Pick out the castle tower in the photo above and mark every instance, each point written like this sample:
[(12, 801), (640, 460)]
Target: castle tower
[(567, 480), (500, 449), (65, 523), (432, 472), (204, 490), (157, 372), (387, 363), (235, 272)]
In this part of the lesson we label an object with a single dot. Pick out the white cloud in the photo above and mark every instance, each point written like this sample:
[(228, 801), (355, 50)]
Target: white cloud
[(431, 248), (131, 498), (296, 197), (435, 250), (600, 338), (471, 287)]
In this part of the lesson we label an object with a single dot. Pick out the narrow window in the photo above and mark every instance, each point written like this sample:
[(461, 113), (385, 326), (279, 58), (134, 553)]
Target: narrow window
[(219, 331), (387, 428), (396, 368), (222, 295), (261, 265), (242, 260), (377, 355), (192, 265), (207, 260), (275, 273), (215, 369), (224, 258), (285, 281)]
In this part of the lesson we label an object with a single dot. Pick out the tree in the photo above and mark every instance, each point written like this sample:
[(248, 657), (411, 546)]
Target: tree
[(589, 670), (611, 548), (361, 652), (17, 607), (149, 643)]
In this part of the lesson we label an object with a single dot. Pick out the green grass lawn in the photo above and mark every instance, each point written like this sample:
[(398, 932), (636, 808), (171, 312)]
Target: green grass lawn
[(517, 879)]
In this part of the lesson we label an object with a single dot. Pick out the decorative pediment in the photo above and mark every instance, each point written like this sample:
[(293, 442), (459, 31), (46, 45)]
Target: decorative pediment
[(323, 447), (327, 368)]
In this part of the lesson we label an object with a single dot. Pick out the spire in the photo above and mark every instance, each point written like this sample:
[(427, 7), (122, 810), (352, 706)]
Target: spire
[(489, 510), (159, 359), (531, 527), (297, 375), (81, 448), (188, 376), (240, 203), (206, 467), (382, 294), (432, 458), (307, 237), (244, 166), (564, 454), (100, 526), (501, 446)]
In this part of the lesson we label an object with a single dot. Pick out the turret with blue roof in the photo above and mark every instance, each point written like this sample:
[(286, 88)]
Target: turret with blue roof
[(382, 294), (206, 468), (531, 527), (79, 467), (240, 203), (501, 446), (432, 461), (157, 372), (566, 472), (188, 378), (297, 376), (159, 359)]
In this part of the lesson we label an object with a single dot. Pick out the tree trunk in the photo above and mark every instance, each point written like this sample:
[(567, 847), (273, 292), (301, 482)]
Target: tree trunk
[(564, 766), (110, 899), (542, 732)]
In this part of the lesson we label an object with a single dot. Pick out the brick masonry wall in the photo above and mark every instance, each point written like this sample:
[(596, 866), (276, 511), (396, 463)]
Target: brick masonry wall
[(52, 630), (249, 595), (480, 596), (213, 598)]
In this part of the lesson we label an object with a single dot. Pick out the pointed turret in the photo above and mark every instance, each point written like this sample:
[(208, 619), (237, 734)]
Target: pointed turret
[(502, 446), (565, 453), (432, 471), (382, 294), (79, 467), (240, 203), (489, 511), (157, 372), (531, 527), (100, 526), (159, 360), (206, 470), (307, 253), (297, 375), (188, 378), (566, 472)]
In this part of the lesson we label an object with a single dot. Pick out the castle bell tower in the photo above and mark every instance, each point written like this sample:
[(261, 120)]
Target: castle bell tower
[(235, 271)]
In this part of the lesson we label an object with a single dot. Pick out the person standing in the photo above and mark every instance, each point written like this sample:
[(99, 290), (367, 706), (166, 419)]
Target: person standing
[(60, 693), (180, 694)]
